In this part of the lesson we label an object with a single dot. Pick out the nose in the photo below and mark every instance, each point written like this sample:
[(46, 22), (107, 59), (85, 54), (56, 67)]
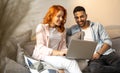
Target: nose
[(79, 19), (61, 18)]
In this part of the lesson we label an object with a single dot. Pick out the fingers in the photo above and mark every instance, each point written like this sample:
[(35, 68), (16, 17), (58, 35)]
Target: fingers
[(61, 71), (96, 56), (59, 53)]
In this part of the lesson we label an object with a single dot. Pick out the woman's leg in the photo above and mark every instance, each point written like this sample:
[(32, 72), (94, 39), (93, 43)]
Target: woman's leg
[(60, 62)]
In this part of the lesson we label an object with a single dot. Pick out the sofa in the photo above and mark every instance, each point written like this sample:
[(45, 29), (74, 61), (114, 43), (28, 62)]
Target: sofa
[(15, 60)]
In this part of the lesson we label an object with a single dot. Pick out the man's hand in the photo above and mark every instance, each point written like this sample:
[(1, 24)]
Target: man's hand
[(96, 56)]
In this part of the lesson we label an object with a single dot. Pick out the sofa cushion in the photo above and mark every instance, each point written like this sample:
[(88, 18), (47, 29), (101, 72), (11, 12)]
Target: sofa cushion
[(13, 67), (11, 49), (20, 56), (11, 44), (78, 35), (116, 45), (113, 33), (29, 47), (82, 64), (23, 38)]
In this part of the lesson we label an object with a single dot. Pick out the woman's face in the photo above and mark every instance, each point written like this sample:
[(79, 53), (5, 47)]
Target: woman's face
[(57, 19)]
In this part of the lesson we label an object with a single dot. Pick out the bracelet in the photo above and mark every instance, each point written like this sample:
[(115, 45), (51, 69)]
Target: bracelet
[(98, 53)]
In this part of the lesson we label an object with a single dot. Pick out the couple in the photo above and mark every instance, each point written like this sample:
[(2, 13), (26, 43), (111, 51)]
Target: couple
[(51, 42)]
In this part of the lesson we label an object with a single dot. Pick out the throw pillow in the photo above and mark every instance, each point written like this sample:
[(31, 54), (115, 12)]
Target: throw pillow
[(13, 67), (23, 38), (78, 35), (29, 47), (11, 49), (20, 55)]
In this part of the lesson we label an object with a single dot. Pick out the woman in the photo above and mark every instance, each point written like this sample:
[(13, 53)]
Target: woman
[(51, 44)]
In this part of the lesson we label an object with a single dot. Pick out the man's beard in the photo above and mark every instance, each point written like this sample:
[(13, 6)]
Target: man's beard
[(83, 23)]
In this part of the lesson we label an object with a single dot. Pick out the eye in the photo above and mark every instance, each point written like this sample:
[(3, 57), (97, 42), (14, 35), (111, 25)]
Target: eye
[(58, 15), (82, 16), (76, 17)]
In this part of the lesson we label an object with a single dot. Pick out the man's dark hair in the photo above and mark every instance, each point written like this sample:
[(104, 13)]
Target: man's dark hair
[(79, 8)]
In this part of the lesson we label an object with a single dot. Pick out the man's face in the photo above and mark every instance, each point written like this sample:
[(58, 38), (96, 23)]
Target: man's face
[(80, 18)]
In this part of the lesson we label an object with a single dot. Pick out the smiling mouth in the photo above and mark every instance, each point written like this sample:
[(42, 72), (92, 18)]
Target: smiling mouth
[(81, 22)]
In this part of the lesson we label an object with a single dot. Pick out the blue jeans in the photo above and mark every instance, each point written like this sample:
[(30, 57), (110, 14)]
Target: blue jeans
[(106, 64)]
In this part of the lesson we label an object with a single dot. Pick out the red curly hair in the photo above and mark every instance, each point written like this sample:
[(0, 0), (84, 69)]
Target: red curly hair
[(53, 10)]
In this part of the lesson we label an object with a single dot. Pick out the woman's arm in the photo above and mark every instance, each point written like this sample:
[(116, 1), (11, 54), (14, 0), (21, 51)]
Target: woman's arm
[(41, 48)]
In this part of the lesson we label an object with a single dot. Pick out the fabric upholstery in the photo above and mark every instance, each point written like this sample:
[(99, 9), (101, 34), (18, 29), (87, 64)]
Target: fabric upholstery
[(13, 67), (23, 38), (16, 53), (20, 56), (114, 33), (11, 49), (29, 47), (116, 45)]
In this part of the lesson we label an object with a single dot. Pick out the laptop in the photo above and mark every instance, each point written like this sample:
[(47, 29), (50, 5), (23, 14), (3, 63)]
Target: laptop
[(81, 49)]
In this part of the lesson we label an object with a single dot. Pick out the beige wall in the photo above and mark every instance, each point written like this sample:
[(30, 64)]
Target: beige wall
[(103, 11)]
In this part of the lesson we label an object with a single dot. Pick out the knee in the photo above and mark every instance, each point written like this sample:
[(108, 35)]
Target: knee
[(95, 67), (94, 70)]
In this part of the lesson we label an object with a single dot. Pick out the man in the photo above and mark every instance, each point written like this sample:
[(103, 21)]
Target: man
[(104, 59)]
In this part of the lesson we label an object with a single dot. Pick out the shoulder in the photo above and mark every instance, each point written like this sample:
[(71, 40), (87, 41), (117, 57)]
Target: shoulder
[(96, 25), (41, 27), (73, 29), (74, 26)]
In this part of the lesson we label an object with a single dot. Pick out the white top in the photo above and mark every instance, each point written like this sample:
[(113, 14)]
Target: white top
[(88, 34), (54, 37)]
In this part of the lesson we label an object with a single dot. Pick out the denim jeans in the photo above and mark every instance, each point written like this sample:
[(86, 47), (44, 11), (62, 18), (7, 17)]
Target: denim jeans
[(106, 64)]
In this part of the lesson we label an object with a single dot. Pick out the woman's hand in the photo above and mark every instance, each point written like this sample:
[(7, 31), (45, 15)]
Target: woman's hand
[(64, 51), (61, 71), (59, 52)]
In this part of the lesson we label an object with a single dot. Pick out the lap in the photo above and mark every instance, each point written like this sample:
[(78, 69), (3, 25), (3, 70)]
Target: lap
[(58, 62), (107, 63)]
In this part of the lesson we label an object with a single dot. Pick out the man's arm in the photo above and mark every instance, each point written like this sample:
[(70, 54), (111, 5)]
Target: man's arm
[(103, 49), (106, 42)]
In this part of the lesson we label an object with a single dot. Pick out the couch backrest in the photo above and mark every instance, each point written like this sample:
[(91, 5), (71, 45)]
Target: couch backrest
[(116, 44), (114, 33)]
